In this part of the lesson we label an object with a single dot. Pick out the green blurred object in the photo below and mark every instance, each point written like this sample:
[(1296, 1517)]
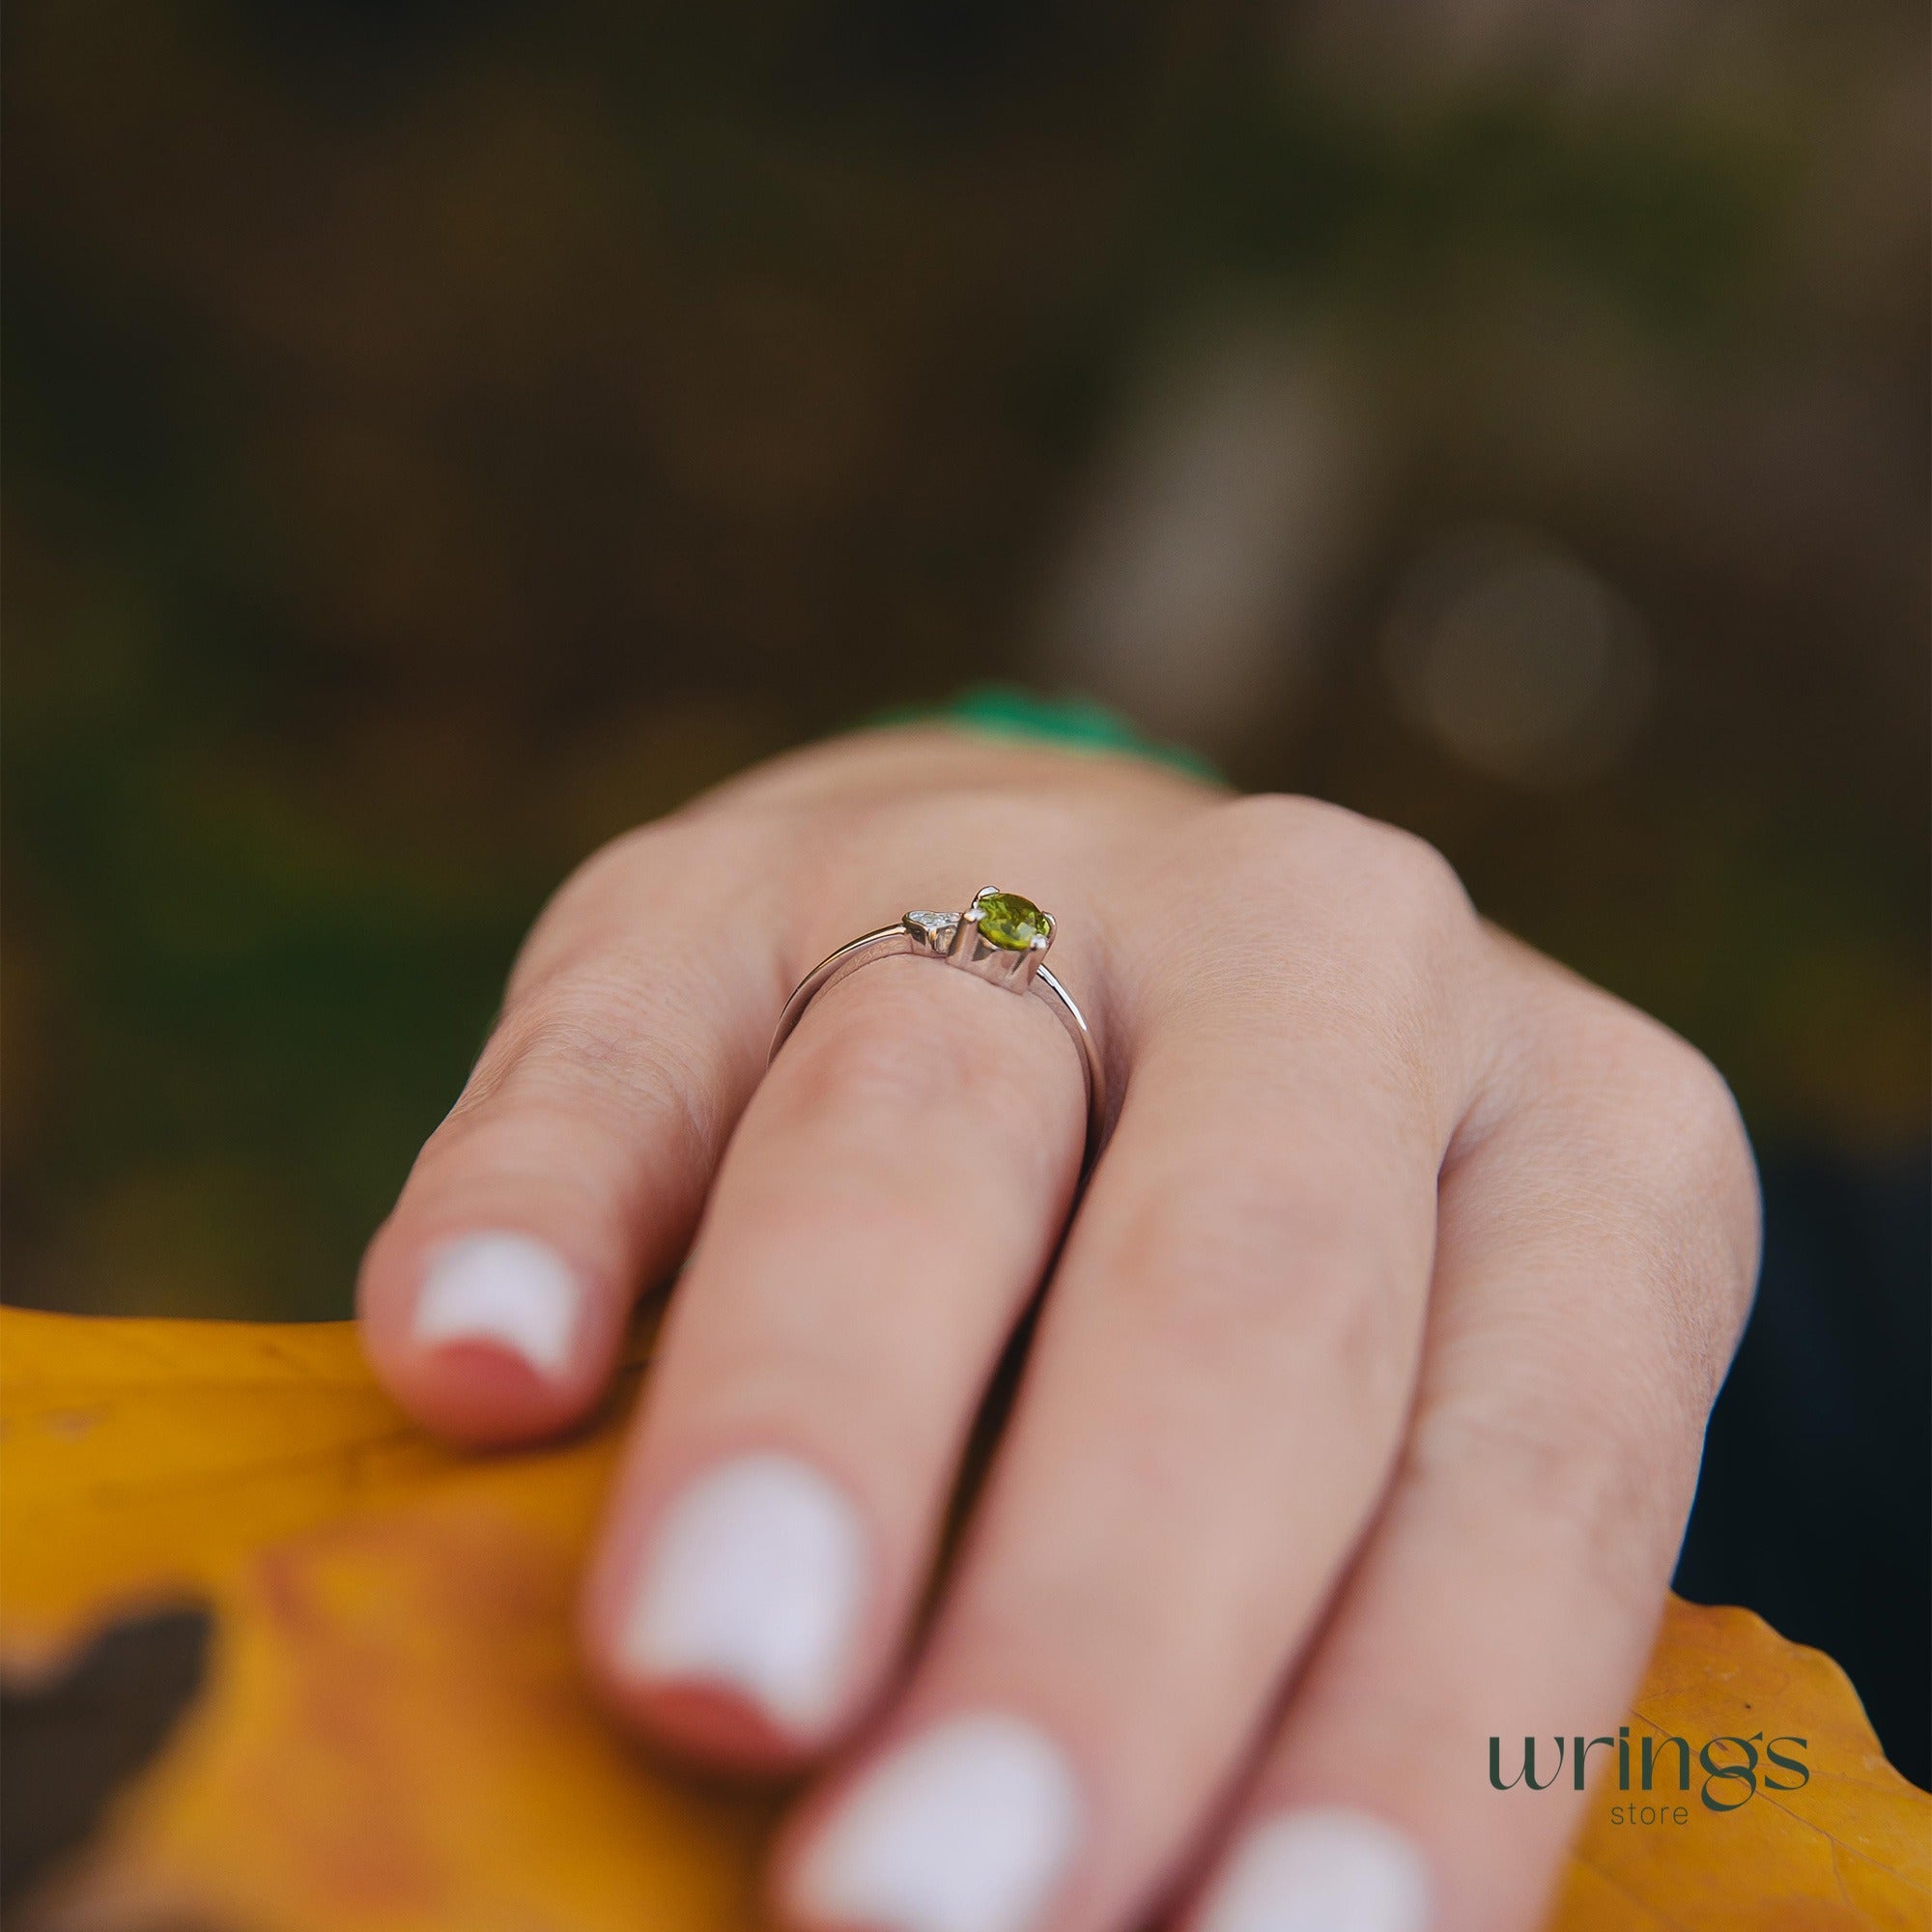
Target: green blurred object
[(1075, 724)]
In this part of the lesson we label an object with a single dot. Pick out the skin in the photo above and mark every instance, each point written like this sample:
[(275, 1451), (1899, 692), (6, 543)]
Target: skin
[(1379, 1349)]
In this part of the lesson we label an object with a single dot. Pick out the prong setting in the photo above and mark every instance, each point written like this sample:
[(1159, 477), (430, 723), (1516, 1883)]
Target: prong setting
[(966, 944), (1002, 938)]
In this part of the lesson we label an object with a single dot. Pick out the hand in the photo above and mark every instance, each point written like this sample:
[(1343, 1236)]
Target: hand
[(1361, 1417)]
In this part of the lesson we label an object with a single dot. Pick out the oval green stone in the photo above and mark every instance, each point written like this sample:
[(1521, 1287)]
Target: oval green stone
[(1011, 922)]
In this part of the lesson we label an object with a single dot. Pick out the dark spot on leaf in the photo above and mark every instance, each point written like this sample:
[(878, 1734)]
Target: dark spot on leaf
[(71, 1744)]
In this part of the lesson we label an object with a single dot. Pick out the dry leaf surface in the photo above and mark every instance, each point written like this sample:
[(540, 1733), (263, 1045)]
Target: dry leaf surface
[(392, 1734)]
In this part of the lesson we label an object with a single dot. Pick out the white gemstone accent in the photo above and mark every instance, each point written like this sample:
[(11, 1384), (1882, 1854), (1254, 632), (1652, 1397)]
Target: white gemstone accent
[(935, 928)]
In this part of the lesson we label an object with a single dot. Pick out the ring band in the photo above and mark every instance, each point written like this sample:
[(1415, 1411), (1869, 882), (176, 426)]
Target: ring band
[(1000, 937)]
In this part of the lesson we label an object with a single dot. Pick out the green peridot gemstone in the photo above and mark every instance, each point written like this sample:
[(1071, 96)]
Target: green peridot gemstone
[(1011, 922)]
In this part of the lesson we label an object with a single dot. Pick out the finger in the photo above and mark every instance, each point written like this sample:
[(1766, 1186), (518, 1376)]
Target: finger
[(1585, 1302), (570, 1172), (883, 1214), (1211, 1405)]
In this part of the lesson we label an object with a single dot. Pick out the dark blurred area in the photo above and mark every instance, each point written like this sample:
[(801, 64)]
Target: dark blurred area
[(439, 437)]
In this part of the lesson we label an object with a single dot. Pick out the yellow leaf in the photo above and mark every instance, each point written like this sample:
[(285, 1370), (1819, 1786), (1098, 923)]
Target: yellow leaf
[(1851, 1847), (395, 1735)]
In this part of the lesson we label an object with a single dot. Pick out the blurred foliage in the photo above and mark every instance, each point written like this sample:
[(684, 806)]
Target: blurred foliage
[(439, 438)]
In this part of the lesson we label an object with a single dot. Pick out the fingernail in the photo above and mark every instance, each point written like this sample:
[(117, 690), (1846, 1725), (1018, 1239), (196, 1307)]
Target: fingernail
[(1322, 1870), (968, 1829), (503, 1288), (755, 1582)]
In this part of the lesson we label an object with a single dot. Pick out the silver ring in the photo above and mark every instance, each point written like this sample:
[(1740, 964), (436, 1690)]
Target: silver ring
[(1000, 937)]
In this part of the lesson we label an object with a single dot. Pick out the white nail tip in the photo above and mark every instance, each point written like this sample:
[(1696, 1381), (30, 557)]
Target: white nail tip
[(754, 1580), (1321, 1871), (503, 1288), (968, 1829)]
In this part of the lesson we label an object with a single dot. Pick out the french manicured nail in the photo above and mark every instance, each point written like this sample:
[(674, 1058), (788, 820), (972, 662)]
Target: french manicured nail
[(754, 1580), (502, 1289), (967, 1828), (1321, 1871)]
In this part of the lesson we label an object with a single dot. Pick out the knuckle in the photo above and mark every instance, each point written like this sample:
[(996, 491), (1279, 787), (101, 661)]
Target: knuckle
[(1715, 1150), (609, 874), (1273, 823), (1421, 890), (610, 897), (1408, 865), (1704, 1110), (1667, 1129), (1272, 840), (1636, 1065), (1278, 840), (597, 1044), (1356, 930)]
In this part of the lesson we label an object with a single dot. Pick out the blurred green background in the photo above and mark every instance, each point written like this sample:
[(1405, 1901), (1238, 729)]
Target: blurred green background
[(439, 437)]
